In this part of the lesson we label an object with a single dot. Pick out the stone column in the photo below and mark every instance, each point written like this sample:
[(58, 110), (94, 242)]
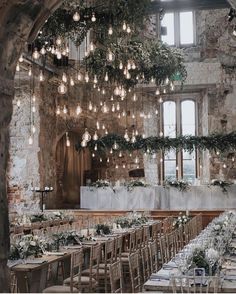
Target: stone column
[(6, 97)]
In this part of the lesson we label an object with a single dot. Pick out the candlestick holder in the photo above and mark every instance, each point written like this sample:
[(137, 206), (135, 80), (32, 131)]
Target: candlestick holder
[(43, 193)]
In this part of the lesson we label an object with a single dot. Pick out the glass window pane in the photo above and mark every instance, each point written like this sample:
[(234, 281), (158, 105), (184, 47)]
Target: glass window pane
[(169, 118), (188, 117), (168, 22), (189, 170), (170, 169), (186, 27)]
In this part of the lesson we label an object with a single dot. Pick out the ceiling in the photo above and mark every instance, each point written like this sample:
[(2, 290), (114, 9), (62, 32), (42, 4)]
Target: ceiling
[(189, 4)]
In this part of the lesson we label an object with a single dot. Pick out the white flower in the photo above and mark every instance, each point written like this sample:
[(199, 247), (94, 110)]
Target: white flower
[(22, 244), (32, 243), (212, 254), (36, 238)]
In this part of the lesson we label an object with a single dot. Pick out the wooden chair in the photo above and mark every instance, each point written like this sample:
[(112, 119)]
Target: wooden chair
[(138, 238), (118, 247), (116, 277), (145, 263), (73, 283), (195, 284), (134, 268), (171, 245), (108, 258), (131, 245), (89, 277), (163, 250), (146, 235), (153, 252)]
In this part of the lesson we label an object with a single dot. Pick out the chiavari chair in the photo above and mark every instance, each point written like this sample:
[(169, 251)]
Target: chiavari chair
[(153, 252), (145, 263), (146, 235), (135, 276), (116, 277)]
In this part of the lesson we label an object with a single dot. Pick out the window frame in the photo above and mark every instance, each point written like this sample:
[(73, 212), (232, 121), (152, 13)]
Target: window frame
[(177, 36), (178, 99)]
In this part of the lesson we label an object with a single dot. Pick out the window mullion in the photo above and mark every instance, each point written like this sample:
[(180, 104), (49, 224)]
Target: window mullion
[(178, 132), (177, 28)]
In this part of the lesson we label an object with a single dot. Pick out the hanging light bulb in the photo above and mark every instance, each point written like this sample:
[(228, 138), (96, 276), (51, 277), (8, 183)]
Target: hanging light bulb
[(95, 147), (103, 127), (160, 100), (126, 135), (18, 103), (224, 165), (90, 107), (152, 80), (53, 51), (93, 155), (30, 140), (115, 146), (58, 41), (108, 160), (95, 136), (110, 30), (120, 65), (93, 19), (128, 76), (143, 136), (91, 47), (84, 143), (172, 86), (233, 159), (113, 108), (98, 125), (164, 91), (133, 116), (133, 138), (118, 106), (67, 140), (133, 65), (95, 80), (105, 108), (117, 166), (17, 67), (111, 151), (156, 111), (86, 77), (76, 16), (161, 134), (41, 76), (72, 82), (62, 89), (122, 93), (157, 91), (110, 55), (106, 77), (120, 154), (124, 165), (128, 30), (36, 54), (124, 27), (59, 55), (95, 108), (136, 132), (103, 91), (33, 129), (123, 113), (167, 81), (78, 109), (64, 78), (33, 109), (58, 111), (100, 159), (119, 116), (86, 136), (135, 97), (106, 132), (30, 72), (43, 50), (65, 109), (79, 76), (21, 58), (136, 160), (112, 98), (33, 97), (117, 91)]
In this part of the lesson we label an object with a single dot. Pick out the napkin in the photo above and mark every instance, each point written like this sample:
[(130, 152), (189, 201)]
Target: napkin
[(55, 253)]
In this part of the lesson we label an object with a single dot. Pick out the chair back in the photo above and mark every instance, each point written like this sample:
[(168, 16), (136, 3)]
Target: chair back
[(146, 235), (145, 263), (76, 269), (163, 250), (116, 277), (138, 238), (134, 269), (153, 256), (118, 247)]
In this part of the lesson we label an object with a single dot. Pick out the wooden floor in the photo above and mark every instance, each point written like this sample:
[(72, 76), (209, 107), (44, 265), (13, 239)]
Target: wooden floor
[(104, 215)]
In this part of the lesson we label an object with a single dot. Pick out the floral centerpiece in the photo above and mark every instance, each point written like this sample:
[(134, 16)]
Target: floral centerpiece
[(222, 184), (39, 217), (28, 245), (181, 185), (102, 229), (133, 219), (180, 220), (136, 183)]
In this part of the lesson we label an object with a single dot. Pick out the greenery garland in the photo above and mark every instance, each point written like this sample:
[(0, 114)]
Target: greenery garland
[(181, 185), (214, 142)]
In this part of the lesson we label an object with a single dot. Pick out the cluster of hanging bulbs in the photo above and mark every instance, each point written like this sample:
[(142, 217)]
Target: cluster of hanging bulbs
[(62, 88)]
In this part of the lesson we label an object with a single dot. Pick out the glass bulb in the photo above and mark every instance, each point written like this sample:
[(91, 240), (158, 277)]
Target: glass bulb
[(117, 91), (21, 58), (72, 82), (120, 65), (58, 41), (136, 160), (78, 110), (133, 66), (172, 86), (160, 100), (129, 65), (95, 109), (67, 142), (65, 109), (79, 76), (108, 160), (156, 111), (124, 166), (118, 106), (120, 154), (95, 136), (164, 91), (135, 97), (92, 47), (64, 78), (93, 19), (43, 50), (110, 30), (58, 111), (98, 125), (83, 143), (33, 129), (36, 54), (17, 67), (110, 56), (59, 55), (86, 77), (30, 140), (122, 93), (111, 151), (86, 136), (90, 107), (157, 91), (115, 146), (76, 16), (167, 81), (128, 76), (106, 77), (18, 103), (128, 29), (105, 109), (117, 166), (33, 109), (126, 136), (41, 76), (95, 147), (161, 134), (95, 80), (93, 155), (124, 27), (113, 108), (62, 89), (30, 72), (106, 132), (100, 159)]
